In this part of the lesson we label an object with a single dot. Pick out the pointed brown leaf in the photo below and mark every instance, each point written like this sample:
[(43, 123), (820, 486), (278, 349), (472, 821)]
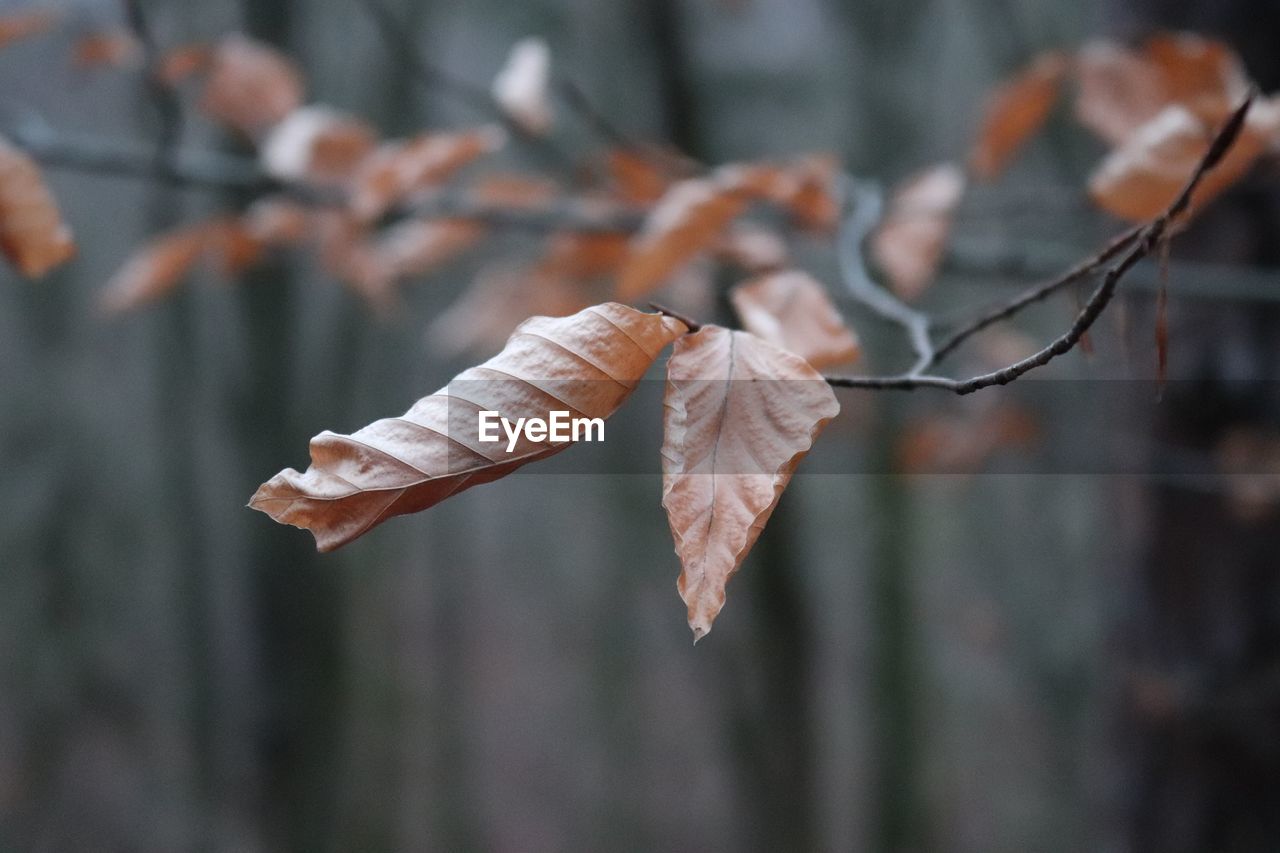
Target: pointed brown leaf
[(154, 270), (740, 415), (792, 310), (32, 234), (587, 364), (1014, 112)]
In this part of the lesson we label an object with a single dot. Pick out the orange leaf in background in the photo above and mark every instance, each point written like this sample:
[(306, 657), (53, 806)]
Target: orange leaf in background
[(183, 62), (1014, 112), (317, 144), (32, 234), (415, 246), (251, 86), (689, 219), (112, 49), (588, 364), (792, 310), (964, 442), (1139, 179), (1120, 90), (1203, 75), (638, 178), (497, 301), (154, 270), (740, 414), (522, 87), (910, 242), (805, 188), (580, 255), (513, 190), (27, 23), (396, 170), (752, 248)]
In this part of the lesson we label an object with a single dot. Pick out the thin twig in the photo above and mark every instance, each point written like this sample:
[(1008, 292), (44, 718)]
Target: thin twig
[(1036, 293), (863, 203), (693, 325), (165, 98), (1149, 237), (433, 77)]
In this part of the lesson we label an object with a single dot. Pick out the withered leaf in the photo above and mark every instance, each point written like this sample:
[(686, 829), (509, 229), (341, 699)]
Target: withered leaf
[(792, 310), (689, 219), (587, 364), (398, 169), (1014, 112), (251, 86), (1121, 89), (317, 144), (28, 22), (740, 414), (1139, 179), (912, 239), (32, 234)]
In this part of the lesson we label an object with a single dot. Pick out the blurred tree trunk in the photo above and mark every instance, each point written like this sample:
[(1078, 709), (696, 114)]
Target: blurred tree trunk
[(1200, 703)]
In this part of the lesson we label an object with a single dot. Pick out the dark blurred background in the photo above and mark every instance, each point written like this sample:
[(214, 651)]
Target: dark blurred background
[(1022, 656)]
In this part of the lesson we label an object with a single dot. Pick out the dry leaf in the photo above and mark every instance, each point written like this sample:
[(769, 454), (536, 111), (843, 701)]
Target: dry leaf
[(32, 234), (587, 364), (1203, 75), (111, 49), (582, 255), (317, 144), (912, 239), (27, 23), (251, 86), (522, 87), (154, 270), (689, 219), (396, 170), (513, 190), (740, 415), (806, 189), (417, 246), (157, 268), (1120, 90), (1014, 112), (1138, 180), (638, 178), (183, 62), (962, 443), (752, 248), (792, 310)]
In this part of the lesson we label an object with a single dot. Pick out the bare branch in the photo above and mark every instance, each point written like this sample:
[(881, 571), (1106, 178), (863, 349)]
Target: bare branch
[(863, 203), (1147, 239)]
